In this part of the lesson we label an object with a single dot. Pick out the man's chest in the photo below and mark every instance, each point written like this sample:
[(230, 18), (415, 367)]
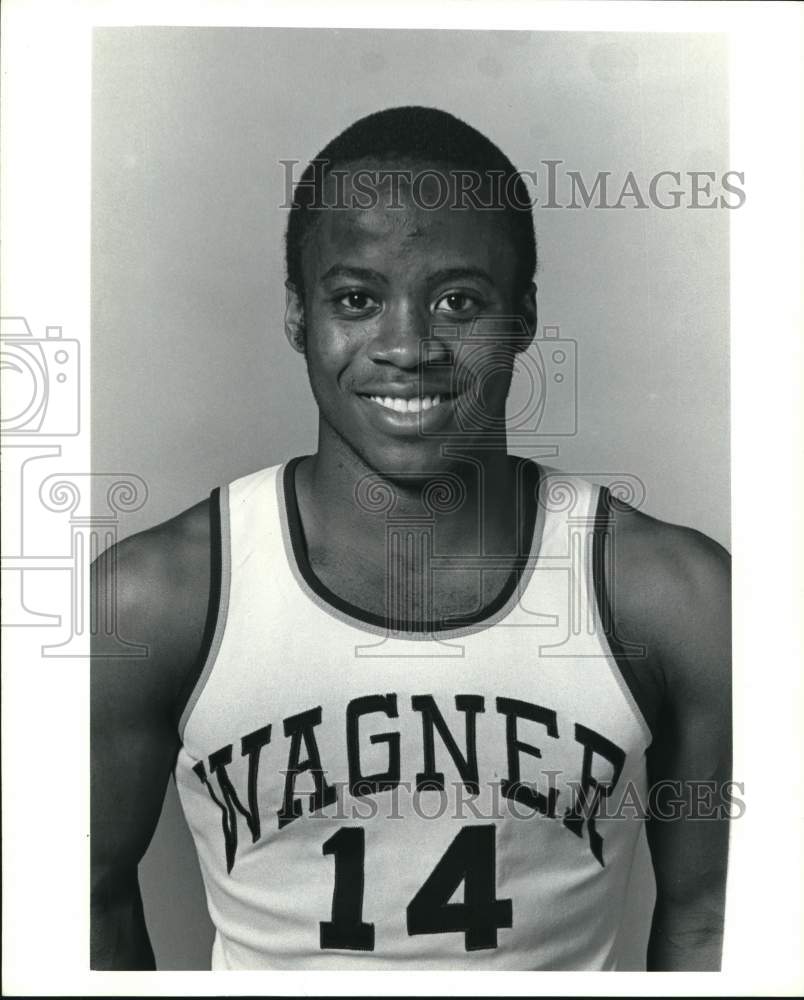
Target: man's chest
[(414, 585), (393, 807)]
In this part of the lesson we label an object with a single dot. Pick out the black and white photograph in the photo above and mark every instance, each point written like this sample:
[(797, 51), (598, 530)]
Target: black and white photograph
[(394, 524)]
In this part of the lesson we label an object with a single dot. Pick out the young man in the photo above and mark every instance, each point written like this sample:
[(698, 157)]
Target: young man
[(414, 690)]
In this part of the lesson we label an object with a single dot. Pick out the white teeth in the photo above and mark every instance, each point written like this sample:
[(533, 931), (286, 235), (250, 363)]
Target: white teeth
[(400, 405)]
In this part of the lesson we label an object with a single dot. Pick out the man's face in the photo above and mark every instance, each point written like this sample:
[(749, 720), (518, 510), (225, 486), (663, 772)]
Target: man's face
[(398, 302)]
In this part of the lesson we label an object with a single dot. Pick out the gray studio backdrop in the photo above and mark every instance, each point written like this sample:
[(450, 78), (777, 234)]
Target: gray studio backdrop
[(192, 381)]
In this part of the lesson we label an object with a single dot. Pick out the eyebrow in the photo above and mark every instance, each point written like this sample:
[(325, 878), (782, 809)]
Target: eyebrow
[(360, 273), (455, 273), (445, 274)]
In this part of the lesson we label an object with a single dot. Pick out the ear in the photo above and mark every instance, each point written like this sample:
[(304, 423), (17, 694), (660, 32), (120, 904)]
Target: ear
[(529, 313), (295, 329)]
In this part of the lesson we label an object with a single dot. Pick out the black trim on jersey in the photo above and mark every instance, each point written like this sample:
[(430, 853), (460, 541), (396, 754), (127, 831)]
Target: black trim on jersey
[(213, 605), (602, 528), (530, 482)]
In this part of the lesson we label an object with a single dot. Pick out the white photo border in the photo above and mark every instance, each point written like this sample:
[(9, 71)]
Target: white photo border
[(46, 67)]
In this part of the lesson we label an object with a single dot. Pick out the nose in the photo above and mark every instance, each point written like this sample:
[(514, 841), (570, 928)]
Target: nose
[(401, 335)]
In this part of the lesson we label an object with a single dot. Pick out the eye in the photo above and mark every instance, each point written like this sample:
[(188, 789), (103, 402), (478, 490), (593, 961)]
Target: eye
[(457, 302), (356, 301)]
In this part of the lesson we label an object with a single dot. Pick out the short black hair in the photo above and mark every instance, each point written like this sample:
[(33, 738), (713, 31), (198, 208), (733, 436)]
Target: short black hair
[(413, 133)]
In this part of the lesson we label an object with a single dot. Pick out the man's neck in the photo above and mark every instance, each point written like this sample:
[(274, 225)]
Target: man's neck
[(471, 504)]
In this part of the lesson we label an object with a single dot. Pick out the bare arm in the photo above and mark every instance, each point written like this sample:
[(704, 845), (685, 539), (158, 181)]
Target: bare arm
[(693, 748), (161, 581), (676, 583)]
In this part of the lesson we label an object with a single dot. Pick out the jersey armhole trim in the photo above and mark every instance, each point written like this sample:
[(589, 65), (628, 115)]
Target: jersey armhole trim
[(625, 670), (217, 606)]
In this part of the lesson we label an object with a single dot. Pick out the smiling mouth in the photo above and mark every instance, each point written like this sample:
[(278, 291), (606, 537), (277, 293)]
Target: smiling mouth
[(414, 404)]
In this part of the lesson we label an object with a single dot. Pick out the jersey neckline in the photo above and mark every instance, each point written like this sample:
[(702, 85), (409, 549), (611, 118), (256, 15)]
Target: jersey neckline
[(486, 616)]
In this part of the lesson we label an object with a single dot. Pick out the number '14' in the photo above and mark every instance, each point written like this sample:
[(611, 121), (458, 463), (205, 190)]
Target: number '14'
[(470, 858)]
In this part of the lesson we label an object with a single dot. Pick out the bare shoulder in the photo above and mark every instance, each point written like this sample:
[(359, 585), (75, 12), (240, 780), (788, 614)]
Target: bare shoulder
[(664, 568), (671, 589), (158, 582), (162, 562), (674, 562)]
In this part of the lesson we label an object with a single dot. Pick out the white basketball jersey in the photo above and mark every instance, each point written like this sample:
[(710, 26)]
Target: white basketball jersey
[(462, 796)]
